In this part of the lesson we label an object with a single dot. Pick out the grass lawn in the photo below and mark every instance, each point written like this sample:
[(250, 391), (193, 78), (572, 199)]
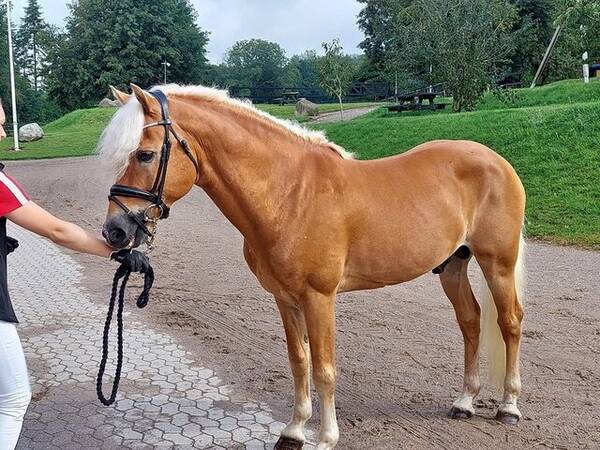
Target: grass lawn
[(75, 134), (555, 149), (561, 92)]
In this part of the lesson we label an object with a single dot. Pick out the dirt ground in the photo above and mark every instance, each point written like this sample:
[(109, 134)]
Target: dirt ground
[(399, 348)]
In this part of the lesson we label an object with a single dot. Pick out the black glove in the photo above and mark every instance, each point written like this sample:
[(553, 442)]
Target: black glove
[(133, 260), (11, 244)]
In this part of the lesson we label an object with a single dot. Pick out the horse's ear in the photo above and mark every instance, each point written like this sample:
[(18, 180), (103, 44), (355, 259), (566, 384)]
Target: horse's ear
[(119, 96), (147, 101)]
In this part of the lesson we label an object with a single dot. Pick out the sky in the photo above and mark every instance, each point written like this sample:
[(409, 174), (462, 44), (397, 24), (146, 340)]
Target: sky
[(296, 25)]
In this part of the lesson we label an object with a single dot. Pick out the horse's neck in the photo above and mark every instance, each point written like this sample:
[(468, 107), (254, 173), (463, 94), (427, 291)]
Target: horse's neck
[(248, 168)]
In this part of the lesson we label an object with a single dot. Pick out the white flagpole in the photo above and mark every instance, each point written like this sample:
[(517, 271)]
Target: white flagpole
[(12, 80)]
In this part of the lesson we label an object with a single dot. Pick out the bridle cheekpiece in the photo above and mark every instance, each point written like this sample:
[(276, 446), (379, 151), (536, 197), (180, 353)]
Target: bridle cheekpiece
[(157, 209)]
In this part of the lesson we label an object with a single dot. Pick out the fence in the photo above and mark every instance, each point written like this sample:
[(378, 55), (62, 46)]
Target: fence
[(359, 91)]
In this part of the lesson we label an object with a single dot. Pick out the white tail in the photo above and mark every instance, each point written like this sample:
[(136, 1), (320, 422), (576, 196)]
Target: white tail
[(491, 336)]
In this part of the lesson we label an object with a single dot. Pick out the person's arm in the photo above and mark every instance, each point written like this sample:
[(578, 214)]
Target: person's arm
[(37, 220)]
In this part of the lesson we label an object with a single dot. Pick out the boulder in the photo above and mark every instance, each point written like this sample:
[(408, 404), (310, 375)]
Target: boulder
[(306, 108), (30, 132), (108, 103)]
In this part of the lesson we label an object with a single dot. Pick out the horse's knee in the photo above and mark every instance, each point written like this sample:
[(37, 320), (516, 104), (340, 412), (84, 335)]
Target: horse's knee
[(324, 377), (299, 365)]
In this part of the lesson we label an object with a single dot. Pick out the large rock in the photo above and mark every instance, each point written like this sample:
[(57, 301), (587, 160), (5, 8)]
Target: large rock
[(108, 103), (306, 108), (30, 132)]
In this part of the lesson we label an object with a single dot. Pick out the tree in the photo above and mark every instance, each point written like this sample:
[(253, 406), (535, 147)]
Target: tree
[(31, 105), (532, 31), (4, 69), (302, 70), (256, 63), (377, 20), (579, 22), (335, 71), (108, 42), (31, 43), (467, 43)]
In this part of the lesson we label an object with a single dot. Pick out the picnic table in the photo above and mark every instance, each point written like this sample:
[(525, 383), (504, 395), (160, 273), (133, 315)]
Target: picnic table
[(414, 101), (288, 97)]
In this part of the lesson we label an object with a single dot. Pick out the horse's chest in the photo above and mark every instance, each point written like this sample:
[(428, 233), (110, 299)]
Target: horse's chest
[(278, 282)]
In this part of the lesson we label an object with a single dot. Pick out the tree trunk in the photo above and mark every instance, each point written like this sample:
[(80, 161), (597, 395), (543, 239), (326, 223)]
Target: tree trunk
[(456, 104), (341, 107)]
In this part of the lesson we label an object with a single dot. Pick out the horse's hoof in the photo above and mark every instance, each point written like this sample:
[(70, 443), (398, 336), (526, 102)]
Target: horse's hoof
[(285, 443), (507, 418), (458, 413)]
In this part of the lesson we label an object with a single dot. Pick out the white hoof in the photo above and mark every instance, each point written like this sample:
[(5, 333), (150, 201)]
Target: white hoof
[(508, 414), (462, 408)]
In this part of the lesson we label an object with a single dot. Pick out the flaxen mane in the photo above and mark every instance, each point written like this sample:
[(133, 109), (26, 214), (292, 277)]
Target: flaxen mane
[(124, 132)]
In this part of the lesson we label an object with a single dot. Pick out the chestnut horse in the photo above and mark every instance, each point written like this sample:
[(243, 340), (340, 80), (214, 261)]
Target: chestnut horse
[(317, 222)]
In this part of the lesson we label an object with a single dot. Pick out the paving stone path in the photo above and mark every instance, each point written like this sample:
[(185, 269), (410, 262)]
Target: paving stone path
[(166, 400)]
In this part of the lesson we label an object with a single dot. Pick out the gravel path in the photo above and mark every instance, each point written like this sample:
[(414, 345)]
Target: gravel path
[(349, 114), (399, 348)]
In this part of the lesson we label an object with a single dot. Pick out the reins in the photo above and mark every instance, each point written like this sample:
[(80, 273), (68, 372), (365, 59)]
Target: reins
[(117, 296)]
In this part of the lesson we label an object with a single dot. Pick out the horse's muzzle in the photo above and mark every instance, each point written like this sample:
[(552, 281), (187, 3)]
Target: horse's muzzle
[(120, 231)]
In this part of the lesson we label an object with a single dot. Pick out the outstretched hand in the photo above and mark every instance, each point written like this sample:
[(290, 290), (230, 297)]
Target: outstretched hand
[(133, 260), (11, 244)]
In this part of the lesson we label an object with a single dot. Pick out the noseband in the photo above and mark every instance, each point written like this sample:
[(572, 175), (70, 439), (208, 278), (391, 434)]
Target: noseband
[(157, 209)]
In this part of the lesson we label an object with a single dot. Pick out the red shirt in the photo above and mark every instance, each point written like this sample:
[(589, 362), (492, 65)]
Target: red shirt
[(12, 195)]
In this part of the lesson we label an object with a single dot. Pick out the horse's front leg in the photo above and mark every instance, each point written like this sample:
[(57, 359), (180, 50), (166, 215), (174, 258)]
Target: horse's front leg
[(292, 436), (319, 312)]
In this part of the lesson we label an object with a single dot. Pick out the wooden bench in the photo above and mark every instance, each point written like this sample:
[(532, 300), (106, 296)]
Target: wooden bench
[(414, 101), (399, 107)]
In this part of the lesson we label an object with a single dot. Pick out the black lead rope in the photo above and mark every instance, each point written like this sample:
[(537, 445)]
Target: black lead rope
[(122, 274)]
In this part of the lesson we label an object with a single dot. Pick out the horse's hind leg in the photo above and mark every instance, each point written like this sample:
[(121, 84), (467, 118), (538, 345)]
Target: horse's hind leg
[(458, 289), (503, 270), (292, 436)]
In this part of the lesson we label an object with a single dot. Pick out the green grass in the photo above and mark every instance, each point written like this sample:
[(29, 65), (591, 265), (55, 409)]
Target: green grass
[(555, 150), (561, 92), (75, 134)]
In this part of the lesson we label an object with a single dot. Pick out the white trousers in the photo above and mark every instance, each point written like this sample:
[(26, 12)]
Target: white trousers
[(15, 392)]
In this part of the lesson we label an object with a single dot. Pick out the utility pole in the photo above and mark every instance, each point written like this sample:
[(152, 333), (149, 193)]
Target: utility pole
[(165, 65), (12, 80), (546, 57)]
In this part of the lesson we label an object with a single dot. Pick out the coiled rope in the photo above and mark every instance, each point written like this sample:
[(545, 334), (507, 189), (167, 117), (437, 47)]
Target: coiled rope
[(121, 275)]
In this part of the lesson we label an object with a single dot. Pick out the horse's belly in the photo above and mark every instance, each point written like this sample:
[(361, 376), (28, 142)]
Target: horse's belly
[(400, 253)]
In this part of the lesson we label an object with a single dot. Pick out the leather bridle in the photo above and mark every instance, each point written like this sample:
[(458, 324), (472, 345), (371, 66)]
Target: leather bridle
[(157, 209)]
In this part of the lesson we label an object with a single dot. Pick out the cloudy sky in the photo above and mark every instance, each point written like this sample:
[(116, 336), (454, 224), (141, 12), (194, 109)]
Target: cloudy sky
[(297, 25)]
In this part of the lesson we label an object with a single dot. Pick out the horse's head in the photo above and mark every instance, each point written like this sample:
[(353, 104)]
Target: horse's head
[(156, 166)]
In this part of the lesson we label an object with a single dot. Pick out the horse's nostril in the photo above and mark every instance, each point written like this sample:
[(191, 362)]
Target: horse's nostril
[(117, 235)]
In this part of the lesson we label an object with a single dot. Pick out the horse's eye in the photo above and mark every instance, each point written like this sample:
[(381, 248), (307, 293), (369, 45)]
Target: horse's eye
[(145, 157)]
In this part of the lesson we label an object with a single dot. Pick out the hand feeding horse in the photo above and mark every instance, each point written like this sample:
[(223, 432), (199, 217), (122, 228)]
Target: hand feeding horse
[(317, 222)]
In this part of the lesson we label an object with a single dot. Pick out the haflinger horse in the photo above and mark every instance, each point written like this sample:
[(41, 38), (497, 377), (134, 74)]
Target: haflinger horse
[(317, 222)]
